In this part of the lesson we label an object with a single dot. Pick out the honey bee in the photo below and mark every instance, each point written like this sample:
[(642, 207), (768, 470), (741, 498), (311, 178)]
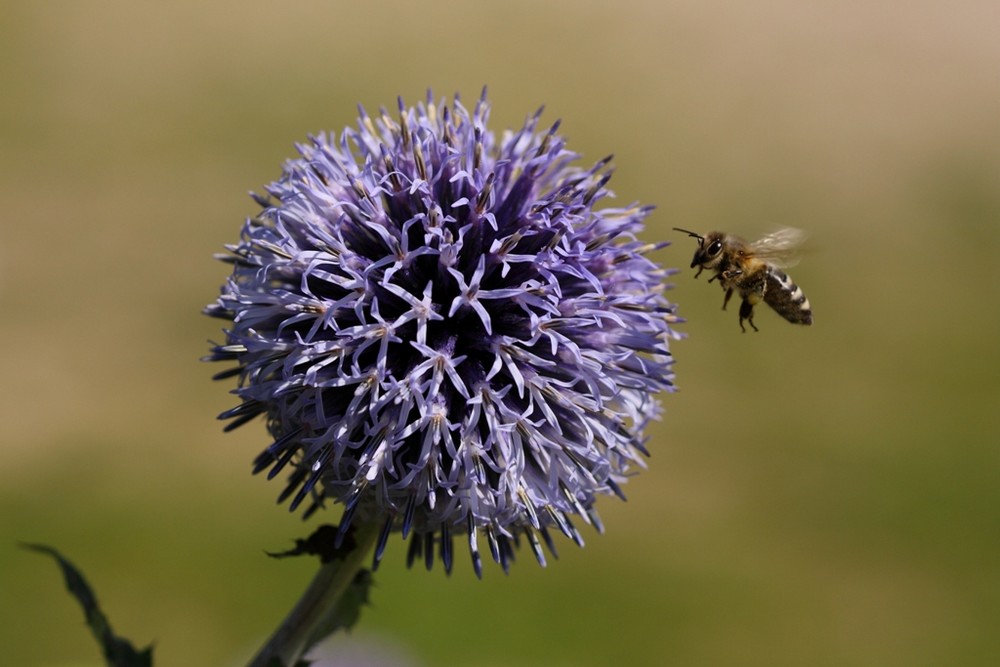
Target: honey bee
[(754, 270)]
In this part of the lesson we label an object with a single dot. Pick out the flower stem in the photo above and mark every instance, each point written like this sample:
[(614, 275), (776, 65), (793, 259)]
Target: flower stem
[(307, 623)]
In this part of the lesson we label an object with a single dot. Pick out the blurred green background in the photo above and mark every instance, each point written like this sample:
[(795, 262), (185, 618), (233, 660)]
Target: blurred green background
[(821, 496)]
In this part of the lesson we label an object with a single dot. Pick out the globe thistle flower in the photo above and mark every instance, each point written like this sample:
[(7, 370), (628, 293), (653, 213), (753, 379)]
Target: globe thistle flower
[(445, 334)]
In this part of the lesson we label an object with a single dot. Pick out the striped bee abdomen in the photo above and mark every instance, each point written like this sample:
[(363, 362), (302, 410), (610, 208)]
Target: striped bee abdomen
[(786, 297)]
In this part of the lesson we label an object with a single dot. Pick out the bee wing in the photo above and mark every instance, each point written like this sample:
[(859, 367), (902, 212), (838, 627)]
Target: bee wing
[(780, 247)]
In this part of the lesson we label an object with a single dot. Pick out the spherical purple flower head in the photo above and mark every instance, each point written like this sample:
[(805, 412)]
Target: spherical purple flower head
[(443, 332)]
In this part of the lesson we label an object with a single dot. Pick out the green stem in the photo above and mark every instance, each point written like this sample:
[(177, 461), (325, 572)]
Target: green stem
[(298, 632)]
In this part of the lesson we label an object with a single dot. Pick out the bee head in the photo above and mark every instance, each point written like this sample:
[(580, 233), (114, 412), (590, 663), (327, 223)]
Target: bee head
[(709, 248)]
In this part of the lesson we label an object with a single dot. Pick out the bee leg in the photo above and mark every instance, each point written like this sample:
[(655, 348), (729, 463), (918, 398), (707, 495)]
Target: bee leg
[(700, 269), (725, 301), (746, 313)]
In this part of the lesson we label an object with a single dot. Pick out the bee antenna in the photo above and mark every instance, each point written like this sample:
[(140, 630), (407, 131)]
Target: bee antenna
[(690, 233)]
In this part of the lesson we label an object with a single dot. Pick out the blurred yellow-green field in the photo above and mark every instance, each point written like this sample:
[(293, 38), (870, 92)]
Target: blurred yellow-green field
[(825, 496)]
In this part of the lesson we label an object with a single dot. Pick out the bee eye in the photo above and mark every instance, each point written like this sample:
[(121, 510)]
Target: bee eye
[(715, 248)]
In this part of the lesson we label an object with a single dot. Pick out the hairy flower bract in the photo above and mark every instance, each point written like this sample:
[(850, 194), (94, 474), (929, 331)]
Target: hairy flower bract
[(445, 333)]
